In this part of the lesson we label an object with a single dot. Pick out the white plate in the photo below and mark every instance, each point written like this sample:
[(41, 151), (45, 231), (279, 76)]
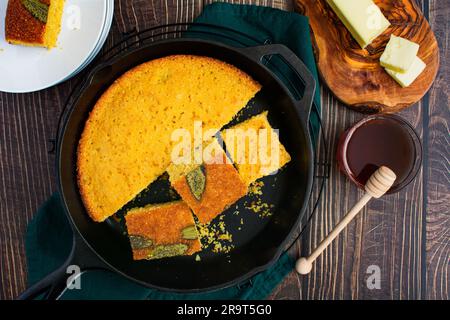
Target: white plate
[(105, 33), (28, 69)]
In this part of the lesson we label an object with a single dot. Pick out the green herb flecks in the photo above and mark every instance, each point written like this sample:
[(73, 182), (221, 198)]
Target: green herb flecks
[(140, 242), (165, 251), (196, 180), (37, 9), (189, 233)]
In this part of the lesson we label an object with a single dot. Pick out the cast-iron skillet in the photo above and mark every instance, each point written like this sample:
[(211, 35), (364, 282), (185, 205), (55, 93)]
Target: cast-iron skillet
[(258, 242)]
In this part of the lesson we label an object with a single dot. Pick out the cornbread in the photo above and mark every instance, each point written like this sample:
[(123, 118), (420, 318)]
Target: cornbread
[(209, 151), (210, 188), (162, 230), (255, 148), (126, 143), (33, 22)]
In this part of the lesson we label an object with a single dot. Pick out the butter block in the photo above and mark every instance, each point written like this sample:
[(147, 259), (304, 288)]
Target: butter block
[(399, 54), (363, 18), (405, 79)]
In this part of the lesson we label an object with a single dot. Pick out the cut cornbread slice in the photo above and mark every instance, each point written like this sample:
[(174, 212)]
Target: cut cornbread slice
[(363, 18), (255, 148), (210, 151), (209, 188), (162, 230), (405, 79), (33, 22), (399, 54), (128, 138)]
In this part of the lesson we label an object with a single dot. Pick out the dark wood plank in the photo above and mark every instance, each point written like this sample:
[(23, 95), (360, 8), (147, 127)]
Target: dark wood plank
[(390, 233), (438, 149)]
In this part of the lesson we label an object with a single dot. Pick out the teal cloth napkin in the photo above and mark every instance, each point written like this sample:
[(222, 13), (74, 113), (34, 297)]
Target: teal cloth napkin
[(49, 236)]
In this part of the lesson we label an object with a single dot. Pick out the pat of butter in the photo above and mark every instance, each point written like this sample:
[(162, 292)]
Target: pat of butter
[(363, 18), (399, 54), (405, 79)]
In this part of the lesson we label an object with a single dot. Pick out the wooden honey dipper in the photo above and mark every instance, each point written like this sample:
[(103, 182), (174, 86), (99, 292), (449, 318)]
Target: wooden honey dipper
[(377, 185)]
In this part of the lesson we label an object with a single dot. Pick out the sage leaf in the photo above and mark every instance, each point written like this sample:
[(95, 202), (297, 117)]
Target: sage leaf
[(196, 180), (169, 250), (189, 233), (140, 242), (37, 9)]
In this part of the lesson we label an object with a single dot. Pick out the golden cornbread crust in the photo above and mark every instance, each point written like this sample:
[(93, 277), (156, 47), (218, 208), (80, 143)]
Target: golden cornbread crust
[(116, 160), (21, 26), (223, 187), (164, 225)]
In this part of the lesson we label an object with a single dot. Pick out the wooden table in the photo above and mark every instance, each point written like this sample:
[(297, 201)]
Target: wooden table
[(407, 235)]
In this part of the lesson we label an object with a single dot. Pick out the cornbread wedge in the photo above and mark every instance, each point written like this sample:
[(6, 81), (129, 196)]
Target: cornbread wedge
[(210, 188), (255, 148), (162, 230), (127, 140), (33, 22)]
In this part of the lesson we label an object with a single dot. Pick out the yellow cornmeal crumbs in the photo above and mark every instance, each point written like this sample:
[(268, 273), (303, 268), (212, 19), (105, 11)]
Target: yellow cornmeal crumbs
[(255, 189), (263, 209), (216, 237)]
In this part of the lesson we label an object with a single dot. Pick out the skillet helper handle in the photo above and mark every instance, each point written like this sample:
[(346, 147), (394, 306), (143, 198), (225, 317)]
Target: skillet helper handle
[(304, 104), (81, 259)]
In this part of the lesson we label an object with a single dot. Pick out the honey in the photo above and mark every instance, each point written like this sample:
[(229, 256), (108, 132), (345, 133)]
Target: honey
[(377, 141)]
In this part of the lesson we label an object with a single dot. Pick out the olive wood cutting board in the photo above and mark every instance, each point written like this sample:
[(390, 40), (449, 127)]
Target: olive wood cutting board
[(353, 74)]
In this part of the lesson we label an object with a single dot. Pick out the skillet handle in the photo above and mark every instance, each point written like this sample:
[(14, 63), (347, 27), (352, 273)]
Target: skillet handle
[(303, 105), (56, 283)]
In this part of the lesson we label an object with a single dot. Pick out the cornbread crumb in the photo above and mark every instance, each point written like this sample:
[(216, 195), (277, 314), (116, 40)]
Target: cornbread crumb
[(216, 237), (257, 205), (263, 209), (255, 189)]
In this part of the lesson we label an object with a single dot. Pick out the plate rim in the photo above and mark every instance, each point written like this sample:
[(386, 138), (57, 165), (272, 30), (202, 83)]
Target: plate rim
[(66, 77)]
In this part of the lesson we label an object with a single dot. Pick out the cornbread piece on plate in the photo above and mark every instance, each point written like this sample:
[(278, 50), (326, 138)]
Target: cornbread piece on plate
[(33, 22), (162, 230), (208, 188), (127, 140), (255, 148)]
